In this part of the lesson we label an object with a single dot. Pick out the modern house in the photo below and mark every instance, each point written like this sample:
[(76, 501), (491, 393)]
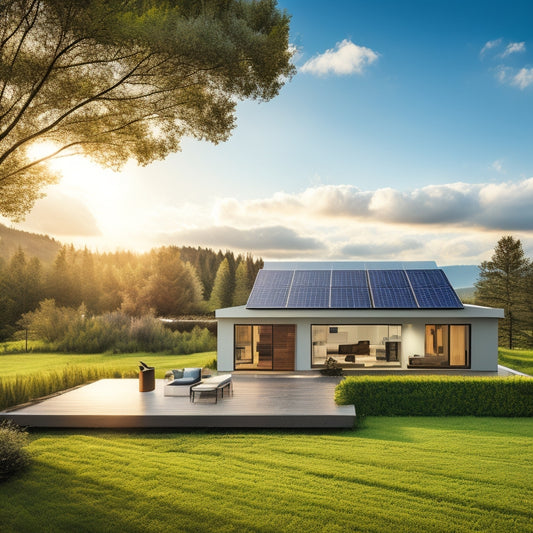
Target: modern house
[(363, 315)]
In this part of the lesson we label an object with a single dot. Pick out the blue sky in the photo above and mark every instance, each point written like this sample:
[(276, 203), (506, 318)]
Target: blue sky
[(406, 134)]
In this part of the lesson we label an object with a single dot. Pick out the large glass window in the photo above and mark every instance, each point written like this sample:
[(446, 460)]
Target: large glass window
[(356, 345), (446, 345), (264, 347)]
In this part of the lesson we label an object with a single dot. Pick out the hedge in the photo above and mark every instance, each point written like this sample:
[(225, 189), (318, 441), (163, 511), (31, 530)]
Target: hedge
[(437, 396)]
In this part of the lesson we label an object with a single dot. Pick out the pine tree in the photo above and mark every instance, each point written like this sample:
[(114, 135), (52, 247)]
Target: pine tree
[(502, 283), (242, 290), (222, 294)]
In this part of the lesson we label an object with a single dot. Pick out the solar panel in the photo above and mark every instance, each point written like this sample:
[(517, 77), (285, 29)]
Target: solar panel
[(393, 298), (388, 278), (308, 297), (433, 290), (437, 298), (350, 298), (311, 278), (353, 289), (273, 278), (268, 298), (270, 290), (349, 278)]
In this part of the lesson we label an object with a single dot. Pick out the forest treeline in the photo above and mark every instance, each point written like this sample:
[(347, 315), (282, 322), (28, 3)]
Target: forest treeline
[(170, 281)]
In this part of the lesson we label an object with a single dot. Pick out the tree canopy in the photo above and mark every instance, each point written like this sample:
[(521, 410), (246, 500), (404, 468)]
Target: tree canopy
[(126, 79), (168, 281), (503, 282)]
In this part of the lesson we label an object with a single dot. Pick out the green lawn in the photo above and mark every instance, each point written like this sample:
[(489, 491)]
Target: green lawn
[(521, 360), (28, 363), (393, 474)]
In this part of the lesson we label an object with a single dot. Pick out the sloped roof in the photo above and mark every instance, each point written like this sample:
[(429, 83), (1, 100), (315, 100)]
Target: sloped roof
[(363, 286)]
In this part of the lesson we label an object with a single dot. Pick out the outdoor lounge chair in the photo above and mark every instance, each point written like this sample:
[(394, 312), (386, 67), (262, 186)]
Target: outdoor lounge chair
[(181, 386), (213, 384)]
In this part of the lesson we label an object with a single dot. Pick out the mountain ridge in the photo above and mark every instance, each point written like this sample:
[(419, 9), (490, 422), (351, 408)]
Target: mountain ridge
[(33, 244)]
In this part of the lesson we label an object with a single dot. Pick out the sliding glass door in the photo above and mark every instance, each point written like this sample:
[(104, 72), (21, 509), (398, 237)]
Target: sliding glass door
[(264, 347), (447, 345)]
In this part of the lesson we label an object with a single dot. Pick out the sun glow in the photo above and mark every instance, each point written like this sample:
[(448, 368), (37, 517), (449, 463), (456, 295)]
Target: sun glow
[(100, 189)]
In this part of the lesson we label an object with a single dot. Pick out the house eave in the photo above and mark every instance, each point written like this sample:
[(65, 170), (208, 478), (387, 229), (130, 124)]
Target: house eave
[(469, 311)]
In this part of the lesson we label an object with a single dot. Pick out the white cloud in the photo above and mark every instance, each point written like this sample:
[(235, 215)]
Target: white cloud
[(521, 78), (277, 239), (489, 45), (346, 58), (524, 78), (383, 250), (296, 52), (458, 204), (497, 165), (513, 48)]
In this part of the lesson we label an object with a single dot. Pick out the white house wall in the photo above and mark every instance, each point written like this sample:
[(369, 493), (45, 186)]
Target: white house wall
[(484, 345), (484, 334)]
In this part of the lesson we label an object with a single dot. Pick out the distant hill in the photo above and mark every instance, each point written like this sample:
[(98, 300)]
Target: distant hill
[(466, 293), (462, 276), (34, 245)]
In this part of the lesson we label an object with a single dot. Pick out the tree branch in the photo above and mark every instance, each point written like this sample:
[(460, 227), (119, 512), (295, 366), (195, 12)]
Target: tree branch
[(46, 129)]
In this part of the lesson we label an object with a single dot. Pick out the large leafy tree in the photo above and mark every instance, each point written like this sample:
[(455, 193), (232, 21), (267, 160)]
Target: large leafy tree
[(126, 79), (503, 282), (173, 288)]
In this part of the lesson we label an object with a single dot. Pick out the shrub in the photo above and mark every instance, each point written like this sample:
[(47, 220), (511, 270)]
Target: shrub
[(50, 322), (70, 331), (212, 364), (331, 368), (437, 396), (13, 456)]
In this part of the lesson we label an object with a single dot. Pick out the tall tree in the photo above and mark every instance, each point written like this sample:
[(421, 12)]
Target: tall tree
[(173, 288), (20, 290), (127, 79), (502, 283), (89, 283), (222, 294), (242, 289)]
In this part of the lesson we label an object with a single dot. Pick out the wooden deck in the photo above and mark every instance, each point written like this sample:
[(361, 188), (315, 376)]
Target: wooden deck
[(257, 402)]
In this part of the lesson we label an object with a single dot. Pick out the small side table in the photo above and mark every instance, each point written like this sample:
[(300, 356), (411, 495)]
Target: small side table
[(147, 380)]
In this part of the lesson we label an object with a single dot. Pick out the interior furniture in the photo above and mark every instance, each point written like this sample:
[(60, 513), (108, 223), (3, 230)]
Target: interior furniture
[(361, 348), (392, 351), (428, 360), (181, 386)]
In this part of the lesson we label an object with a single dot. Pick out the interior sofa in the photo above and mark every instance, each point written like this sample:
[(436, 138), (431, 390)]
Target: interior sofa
[(361, 348), (183, 380), (428, 360)]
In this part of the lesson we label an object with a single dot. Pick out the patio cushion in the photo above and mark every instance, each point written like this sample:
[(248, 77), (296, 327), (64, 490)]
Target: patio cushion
[(195, 373), (178, 373), (182, 381)]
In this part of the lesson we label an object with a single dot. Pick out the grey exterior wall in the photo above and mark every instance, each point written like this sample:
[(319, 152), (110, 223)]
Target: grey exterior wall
[(484, 336)]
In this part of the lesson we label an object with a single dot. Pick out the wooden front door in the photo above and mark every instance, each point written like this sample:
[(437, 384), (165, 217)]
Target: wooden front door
[(284, 337)]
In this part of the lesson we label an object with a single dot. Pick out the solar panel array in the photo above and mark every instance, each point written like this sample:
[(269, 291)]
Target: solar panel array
[(353, 289)]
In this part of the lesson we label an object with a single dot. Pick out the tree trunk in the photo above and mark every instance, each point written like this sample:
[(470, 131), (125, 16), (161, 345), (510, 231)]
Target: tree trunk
[(510, 330)]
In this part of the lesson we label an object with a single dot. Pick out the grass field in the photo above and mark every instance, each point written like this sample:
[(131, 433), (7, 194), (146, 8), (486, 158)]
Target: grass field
[(393, 474), (25, 377), (521, 360), (28, 363)]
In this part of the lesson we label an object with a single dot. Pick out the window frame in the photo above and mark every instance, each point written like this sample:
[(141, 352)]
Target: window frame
[(468, 358)]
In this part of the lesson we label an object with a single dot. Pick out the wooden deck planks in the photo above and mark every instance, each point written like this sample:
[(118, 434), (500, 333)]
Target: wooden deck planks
[(257, 402)]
